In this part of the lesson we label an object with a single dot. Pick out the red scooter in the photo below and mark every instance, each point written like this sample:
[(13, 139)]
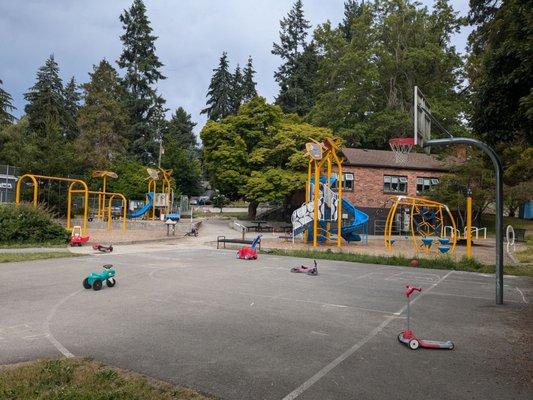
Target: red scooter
[(302, 269), (103, 248), (408, 338)]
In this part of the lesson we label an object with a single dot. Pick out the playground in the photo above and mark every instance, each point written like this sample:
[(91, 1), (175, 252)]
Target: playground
[(198, 317)]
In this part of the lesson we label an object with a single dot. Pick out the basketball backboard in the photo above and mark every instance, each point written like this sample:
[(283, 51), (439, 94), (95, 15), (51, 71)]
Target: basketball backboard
[(422, 121)]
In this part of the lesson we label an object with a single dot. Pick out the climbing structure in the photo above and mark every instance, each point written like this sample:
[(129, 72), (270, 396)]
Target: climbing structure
[(426, 224)]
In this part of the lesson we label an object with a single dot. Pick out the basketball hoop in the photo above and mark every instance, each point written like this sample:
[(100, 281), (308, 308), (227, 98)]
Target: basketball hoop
[(401, 148)]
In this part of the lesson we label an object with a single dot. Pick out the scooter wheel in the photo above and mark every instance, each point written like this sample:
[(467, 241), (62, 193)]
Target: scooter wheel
[(110, 282), (97, 284), (86, 283), (414, 344)]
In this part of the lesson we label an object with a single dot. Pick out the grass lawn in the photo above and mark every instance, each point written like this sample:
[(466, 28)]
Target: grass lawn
[(83, 379), (225, 215), (15, 257), (31, 245), (488, 221), (442, 262)]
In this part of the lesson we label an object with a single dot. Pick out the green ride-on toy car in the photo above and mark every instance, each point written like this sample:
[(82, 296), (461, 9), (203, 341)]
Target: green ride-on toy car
[(96, 279)]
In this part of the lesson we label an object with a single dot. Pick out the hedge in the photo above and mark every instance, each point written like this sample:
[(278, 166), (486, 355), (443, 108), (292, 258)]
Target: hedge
[(25, 224)]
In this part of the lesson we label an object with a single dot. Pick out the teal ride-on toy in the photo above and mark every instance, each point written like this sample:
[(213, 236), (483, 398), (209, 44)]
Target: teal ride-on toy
[(96, 279)]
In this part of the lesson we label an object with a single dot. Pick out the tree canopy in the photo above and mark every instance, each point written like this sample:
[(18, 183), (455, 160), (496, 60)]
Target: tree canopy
[(257, 153)]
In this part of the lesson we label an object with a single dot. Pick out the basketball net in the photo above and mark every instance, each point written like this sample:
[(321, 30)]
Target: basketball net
[(401, 148)]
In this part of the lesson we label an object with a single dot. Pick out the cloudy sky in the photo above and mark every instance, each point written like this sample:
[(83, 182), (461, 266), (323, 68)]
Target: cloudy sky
[(192, 35)]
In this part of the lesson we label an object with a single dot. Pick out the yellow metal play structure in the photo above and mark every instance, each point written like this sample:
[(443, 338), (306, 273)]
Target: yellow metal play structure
[(426, 224), (102, 194), (322, 156), (154, 176), (71, 187), (72, 191)]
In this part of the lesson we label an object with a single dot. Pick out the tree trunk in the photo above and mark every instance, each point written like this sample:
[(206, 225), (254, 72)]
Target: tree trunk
[(252, 210)]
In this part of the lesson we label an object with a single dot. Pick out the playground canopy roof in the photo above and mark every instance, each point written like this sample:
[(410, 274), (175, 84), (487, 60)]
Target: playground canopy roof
[(386, 159)]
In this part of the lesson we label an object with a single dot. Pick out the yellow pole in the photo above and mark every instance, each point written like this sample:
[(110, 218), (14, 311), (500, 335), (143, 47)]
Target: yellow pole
[(315, 204), (469, 225), (69, 201), (308, 189)]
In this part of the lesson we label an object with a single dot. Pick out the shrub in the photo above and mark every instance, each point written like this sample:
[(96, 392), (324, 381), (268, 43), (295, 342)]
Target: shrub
[(25, 224)]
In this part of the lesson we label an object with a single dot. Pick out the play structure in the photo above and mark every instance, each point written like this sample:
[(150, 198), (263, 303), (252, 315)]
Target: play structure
[(77, 187), (95, 280), (320, 218), (408, 338), (157, 201), (427, 219)]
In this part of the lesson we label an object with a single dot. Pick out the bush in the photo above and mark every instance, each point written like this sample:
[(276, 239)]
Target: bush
[(25, 224)]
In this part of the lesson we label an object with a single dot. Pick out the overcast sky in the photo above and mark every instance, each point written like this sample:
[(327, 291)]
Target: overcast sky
[(192, 35)]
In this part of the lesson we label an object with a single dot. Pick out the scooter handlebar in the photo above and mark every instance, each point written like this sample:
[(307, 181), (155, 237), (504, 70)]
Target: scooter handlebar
[(409, 290)]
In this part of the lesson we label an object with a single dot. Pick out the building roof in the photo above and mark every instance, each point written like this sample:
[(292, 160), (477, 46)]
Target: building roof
[(386, 159)]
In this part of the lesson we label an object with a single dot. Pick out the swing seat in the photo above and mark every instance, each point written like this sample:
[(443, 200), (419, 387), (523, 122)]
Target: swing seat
[(444, 241), (444, 249), (427, 242)]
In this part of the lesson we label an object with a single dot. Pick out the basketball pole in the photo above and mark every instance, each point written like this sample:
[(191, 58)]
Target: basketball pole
[(498, 169)]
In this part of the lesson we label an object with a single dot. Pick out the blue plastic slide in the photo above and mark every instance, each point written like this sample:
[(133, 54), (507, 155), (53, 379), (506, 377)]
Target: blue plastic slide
[(144, 209)]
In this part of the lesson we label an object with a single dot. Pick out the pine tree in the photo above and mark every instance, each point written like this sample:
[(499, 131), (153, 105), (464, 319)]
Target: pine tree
[(72, 105), (219, 102), (179, 130), (142, 67), (180, 155), (292, 44), (47, 119), (249, 90), (102, 120), (351, 11), (6, 107), (236, 96), (46, 103)]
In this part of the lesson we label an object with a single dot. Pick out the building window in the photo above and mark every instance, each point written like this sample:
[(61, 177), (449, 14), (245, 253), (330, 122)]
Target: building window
[(394, 184), (424, 184), (347, 182)]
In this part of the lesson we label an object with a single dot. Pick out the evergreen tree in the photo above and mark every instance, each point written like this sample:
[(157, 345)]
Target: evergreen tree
[(6, 107), (47, 119), (180, 155), (142, 67), (351, 11), (72, 105), (249, 90), (237, 88), (179, 130), (102, 120), (292, 97), (46, 103), (220, 94)]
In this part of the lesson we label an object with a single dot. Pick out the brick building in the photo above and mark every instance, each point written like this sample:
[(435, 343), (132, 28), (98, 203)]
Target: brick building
[(372, 177)]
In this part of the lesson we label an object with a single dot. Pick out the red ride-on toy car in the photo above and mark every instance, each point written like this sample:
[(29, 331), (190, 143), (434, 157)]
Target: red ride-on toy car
[(249, 253), (76, 238), (103, 248)]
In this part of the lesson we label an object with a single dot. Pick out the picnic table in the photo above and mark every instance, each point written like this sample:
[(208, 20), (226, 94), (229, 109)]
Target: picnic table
[(260, 226)]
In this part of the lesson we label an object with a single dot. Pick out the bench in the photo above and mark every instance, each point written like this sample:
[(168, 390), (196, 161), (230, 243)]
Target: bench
[(520, 234), (223, 240)]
